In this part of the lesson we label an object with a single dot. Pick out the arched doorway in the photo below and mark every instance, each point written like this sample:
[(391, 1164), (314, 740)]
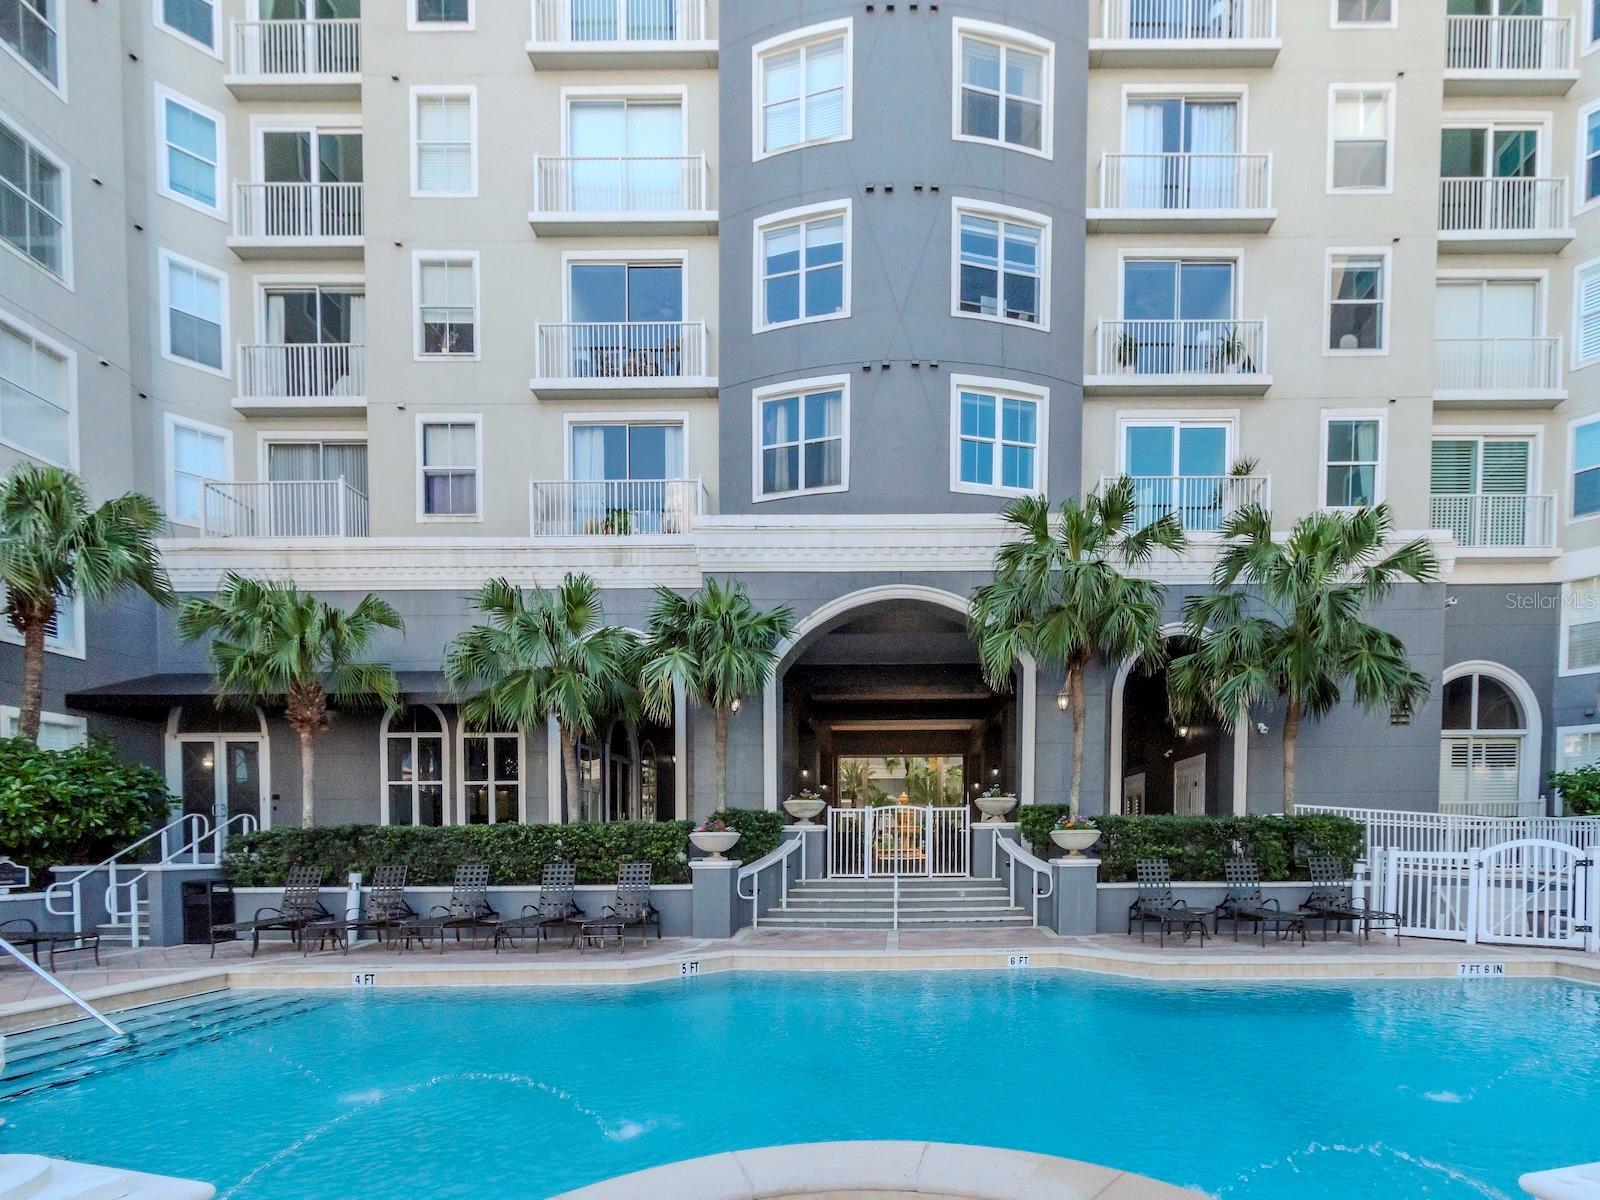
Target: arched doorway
[(1489, 742), (217, 762)]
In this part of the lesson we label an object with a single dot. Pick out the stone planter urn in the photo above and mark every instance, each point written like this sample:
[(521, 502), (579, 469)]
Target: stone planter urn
[(1075, 841), (804, 811), (994, 808), (714, 844)]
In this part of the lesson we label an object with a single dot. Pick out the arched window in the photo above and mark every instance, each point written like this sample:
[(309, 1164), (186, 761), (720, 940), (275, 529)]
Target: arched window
[(413, 768), (1482, 747), (491, 777)]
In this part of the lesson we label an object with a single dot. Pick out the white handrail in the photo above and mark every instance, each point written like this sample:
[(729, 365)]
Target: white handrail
[(218, 837), (753, 872), (74, 885), (61, 987), (1021, 856)]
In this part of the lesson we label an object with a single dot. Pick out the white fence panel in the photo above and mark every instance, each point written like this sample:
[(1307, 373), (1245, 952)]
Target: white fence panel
[(1533, 893), (1430, 892), (899, 840)]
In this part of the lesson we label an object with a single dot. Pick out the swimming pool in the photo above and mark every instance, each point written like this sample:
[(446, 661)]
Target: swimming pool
[(1280, 1092)]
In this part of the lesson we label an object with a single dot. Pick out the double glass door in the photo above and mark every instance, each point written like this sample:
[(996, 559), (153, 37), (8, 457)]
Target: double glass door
[(627, 156), (291, 158), (1491, 177), (1181, 153), (1179, 469), (627, 320), (628, 478), (220, 778), (1487, 44), (313, 48), (315, 336), (1177, 316), (1488, 335)]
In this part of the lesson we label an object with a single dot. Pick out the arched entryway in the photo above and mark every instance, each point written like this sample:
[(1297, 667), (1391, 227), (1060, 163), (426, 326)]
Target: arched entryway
[(1490, 742), (217, 762)]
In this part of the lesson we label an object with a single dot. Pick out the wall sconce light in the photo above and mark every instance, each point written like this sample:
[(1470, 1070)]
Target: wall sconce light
[(1063, 701), (805, 772), (1183, 731), (995, 771), (736, 705), (1261, 728)]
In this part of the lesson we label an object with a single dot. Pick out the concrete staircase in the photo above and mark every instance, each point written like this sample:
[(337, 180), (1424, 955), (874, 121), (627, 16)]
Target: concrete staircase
[(924, 904)]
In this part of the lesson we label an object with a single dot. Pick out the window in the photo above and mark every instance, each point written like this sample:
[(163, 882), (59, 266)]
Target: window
[(189, 165), (413, 768), (1180, 152), (194, 305), (1357, 302), (56, 730), (448, 452), (1479, 487), (1361, 149), (1364, 12), (1580, 626), (803, 89), (1586, 318), (447, 307), (803, 434), (195, 20), (195, 453), (63, 633), (1481, 747), (1589, 152), (444, 134), (998, 437), (33, 201), (1353, 459), (30, 29), (1579, 746), (436, 13), (1005, 87), (491, 778), (1180, 468), (36, 396), (1000, 265), (803, 269), (1586, 469)]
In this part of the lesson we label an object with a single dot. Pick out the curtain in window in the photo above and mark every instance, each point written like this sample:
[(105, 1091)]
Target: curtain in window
[(1146, 137), (1213, 179)]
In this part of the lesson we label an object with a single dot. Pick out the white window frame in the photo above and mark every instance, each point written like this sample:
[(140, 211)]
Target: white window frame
[(803, 215), (165, 259), (801, 388), (1335, 90), (163, 150), (418, 259), (1385, 298), (782, 44), (214, 50), (1581, 203), (444, 767), (10, 715), (463, 732), (963, 206), (1570, 515), (1563, 732), (170, 424), (1579, 270), (435, 91), (1568, 611), (588, 418), (416, 25), (1380, 475), (70, 358), (1013, 389), (1591, 35), (69, 617), (1004, 35), (65, 277), (59, 84), (444, 418), (1336, 23)]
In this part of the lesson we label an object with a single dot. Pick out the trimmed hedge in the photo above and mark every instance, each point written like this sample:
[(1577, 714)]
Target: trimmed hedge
[(1198, 847), (516, 854)]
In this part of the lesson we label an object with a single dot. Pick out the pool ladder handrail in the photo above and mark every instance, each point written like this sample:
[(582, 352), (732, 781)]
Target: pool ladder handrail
[(71, 995)]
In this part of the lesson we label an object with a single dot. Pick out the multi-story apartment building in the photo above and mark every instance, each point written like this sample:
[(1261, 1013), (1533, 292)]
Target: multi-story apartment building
[(405, 295)]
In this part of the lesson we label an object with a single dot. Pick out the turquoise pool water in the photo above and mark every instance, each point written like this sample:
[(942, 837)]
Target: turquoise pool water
[(1268, 1093)]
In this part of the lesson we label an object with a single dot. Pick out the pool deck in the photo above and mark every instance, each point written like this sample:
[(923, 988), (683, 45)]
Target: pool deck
[(129, 978)]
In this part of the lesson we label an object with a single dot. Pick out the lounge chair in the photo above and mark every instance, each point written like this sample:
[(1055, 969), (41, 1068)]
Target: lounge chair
[(25, 932), (388, 911), (633, 907), (1331, 901), (301, 909), (1244, 902), (1156, 905), (557, 909), (468, 909)]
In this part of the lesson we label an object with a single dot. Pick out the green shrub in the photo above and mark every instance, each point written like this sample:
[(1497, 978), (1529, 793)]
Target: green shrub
[(1580, 790), (1198, 847), (73, 806), (759, 832)]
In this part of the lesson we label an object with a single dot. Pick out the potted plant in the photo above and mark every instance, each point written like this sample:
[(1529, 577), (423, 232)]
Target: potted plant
[(804, 806), (1126, 352), (714, 838), (995, 803), (1231, 353), (1074, 834)]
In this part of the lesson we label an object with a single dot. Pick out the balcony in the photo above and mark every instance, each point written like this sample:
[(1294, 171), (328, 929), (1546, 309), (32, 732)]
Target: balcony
[(614, 508), (664, 359), (317, 508), (1186, 33), (1509, 56), (1151, 358), (1503, 216), (321, 380), (1494, 525), (1169, 193), (1499, 372), (627, 197), (581, 35), (297, 220), (1201, 503), (295, 60)]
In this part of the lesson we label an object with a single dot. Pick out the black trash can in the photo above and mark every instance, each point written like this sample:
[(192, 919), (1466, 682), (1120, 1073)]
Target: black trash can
[(206, 904)]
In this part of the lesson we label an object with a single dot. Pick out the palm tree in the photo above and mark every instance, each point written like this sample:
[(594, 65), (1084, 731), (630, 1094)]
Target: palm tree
[(1284, 623), (1060, 594), (718, 647), (272, 642), (855, 778), (52, 545), (541, 654)]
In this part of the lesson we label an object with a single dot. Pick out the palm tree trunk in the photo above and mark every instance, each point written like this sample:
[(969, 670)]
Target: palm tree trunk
[(308, 773), (1075, 700), (569, 771), (1291, 739), (32, 680), (722, 757)]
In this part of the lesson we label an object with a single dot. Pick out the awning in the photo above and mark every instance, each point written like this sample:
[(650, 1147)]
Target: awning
[(153, 696)]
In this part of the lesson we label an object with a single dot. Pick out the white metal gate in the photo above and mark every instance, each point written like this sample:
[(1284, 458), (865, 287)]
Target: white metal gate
[(1430, 891), (901, 839)]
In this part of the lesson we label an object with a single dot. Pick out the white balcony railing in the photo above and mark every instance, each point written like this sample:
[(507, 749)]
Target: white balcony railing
[(1219, 347), (1520, 44), (634, 350), (1200, 502), (319, 371), (289, 50), (1190, 20), (284, 509), (580, 23), (1503, 206), (297, 212), (1497, 364), (1482, 522), (1186, 182), (614, 507), (580, 185)]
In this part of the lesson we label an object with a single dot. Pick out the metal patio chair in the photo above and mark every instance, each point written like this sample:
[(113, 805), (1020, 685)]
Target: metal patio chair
[(468, 908), (1244, 902), (632, 907), (1331, 901), (24, 932), (388, 911), (300, 909), (1156, 905), (556, 909)]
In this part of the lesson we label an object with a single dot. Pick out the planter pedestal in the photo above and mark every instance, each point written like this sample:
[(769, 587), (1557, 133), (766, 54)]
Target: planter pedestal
[(715, 910), (1077, 903)]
